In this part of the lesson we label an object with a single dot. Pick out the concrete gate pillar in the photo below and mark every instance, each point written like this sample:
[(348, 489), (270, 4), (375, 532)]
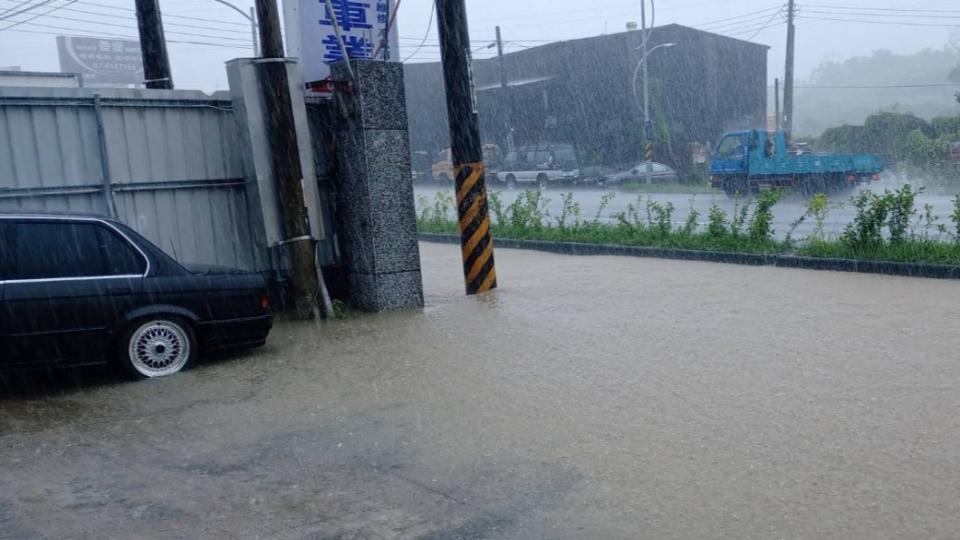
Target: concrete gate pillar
[(376, 213)]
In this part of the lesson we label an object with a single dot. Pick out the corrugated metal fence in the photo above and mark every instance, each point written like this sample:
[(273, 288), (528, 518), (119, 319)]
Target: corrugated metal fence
[(166, 165)]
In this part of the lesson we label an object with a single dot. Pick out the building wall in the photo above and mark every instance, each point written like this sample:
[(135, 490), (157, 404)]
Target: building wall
[(46, 80), (582, 90)]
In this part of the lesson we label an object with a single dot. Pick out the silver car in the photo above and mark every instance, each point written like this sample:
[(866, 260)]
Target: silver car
[(659, 173)]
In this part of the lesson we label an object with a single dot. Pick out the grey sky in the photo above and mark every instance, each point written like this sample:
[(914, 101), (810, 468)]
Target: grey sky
[(524, 23)]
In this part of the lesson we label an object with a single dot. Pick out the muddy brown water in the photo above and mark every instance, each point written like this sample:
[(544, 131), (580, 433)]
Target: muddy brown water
[(589, 397)]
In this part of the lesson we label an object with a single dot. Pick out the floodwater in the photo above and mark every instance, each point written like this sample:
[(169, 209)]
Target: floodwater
[(588, 397), (786, 212)]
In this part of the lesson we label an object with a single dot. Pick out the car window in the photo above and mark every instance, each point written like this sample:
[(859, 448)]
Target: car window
[(56, 250), (119, 256), (659, 168), (729, 147), (565, 154), (6, 248)]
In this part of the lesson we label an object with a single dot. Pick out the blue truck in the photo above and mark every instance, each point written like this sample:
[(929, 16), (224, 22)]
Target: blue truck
[(746, 162)]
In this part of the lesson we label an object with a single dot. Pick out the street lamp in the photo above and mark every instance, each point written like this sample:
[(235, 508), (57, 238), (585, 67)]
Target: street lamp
[(647, 130), (253, 23)]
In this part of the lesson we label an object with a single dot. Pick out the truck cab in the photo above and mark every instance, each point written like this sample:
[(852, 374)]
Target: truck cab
[(733, 154)]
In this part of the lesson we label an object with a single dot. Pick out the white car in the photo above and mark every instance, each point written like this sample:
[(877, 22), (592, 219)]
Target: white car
[(540, 165)]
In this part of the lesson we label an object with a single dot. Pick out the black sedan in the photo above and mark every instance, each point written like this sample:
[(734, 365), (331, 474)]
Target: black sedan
[(80, 290)]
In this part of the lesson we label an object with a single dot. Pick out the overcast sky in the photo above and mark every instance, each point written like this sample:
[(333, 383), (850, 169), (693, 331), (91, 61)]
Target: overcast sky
[(864, 26)]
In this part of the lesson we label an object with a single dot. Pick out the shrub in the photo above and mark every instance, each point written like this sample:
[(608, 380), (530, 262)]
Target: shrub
[(760, 224), (900, 210), (716, 222)]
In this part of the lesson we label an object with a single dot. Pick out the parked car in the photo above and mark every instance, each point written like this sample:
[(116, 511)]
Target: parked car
[(658, 173), (80, 290), (541, 165)]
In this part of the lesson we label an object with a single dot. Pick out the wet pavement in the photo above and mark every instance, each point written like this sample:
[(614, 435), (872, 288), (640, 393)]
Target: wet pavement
[(589, 397), (785, 213)]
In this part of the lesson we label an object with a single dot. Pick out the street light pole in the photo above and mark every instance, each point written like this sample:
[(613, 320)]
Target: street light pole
[(647, 131), (647, 126), (252, 17), (253, 31)]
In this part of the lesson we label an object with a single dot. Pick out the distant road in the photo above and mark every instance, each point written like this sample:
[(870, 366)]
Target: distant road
[(785, 213)]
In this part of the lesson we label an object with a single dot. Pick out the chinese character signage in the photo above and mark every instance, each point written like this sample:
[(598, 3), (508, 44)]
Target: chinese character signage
[(362, 26), (101, 61)]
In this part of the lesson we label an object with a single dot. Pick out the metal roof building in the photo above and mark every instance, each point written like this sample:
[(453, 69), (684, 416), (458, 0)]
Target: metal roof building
[(581, 92)]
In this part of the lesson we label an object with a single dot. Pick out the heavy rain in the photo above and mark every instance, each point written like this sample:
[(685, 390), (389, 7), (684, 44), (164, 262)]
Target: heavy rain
[(451, 269)]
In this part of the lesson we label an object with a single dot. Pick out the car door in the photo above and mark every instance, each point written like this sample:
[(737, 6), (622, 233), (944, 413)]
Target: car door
[(731, 155), (6, 262), (59, 296)]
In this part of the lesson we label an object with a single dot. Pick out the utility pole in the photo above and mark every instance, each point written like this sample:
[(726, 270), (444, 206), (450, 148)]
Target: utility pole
[(503, 68), (153, 46), (285, 156), (776, 104), (788, 74), (505, 93), (478, 266), (647, 128)]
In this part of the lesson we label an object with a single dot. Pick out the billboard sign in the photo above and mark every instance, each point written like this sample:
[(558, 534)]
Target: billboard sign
[(362, 26), (101, 61)]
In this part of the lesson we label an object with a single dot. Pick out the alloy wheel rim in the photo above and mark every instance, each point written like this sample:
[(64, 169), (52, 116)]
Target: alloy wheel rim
[(159, 348)]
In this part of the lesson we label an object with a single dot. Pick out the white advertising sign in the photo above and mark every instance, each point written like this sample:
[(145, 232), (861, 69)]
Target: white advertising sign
[(362, 25)]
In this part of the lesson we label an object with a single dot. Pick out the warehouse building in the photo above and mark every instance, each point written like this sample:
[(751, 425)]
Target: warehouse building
[(582, 92)]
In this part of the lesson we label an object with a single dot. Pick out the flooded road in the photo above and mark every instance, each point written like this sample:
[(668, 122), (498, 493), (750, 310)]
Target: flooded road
[(786, 212), (589, 397)]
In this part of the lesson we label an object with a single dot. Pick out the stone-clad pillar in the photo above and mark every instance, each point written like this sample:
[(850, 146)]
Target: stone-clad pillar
[(376, 213)]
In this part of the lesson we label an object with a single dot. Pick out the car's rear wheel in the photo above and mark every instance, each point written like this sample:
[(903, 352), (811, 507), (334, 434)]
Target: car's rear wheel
[(542, 181), (511, 182), (158, 347)]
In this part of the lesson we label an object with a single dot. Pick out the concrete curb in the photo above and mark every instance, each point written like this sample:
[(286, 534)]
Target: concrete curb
[(934, 271)]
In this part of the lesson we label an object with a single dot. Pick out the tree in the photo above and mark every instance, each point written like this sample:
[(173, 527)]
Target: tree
[(954, 75)]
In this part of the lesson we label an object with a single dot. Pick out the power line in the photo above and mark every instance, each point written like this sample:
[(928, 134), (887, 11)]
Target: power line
[(37, 15), (767, 24), (426, 35), (132, 19), (118, 8), (896, 23), (7, 14), (864, 14), (895, 10), (20, 5), (86, 33), (741, 18), (128, 27)]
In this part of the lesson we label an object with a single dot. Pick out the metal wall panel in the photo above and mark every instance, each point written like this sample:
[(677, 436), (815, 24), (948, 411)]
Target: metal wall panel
[(176, 175)]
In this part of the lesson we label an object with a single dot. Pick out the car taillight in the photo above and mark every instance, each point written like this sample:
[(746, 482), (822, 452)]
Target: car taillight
[(265, 302), (851, 178), (875, 177)]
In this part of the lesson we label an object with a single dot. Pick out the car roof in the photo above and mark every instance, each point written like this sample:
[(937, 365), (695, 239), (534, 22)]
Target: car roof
[(29, 214)]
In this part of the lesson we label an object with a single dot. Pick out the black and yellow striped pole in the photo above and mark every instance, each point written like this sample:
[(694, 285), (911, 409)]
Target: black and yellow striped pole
[(478, 267)]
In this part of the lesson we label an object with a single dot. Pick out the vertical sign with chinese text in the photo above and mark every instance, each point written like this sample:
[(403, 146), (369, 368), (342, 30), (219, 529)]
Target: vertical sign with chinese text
[(362, 26)]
